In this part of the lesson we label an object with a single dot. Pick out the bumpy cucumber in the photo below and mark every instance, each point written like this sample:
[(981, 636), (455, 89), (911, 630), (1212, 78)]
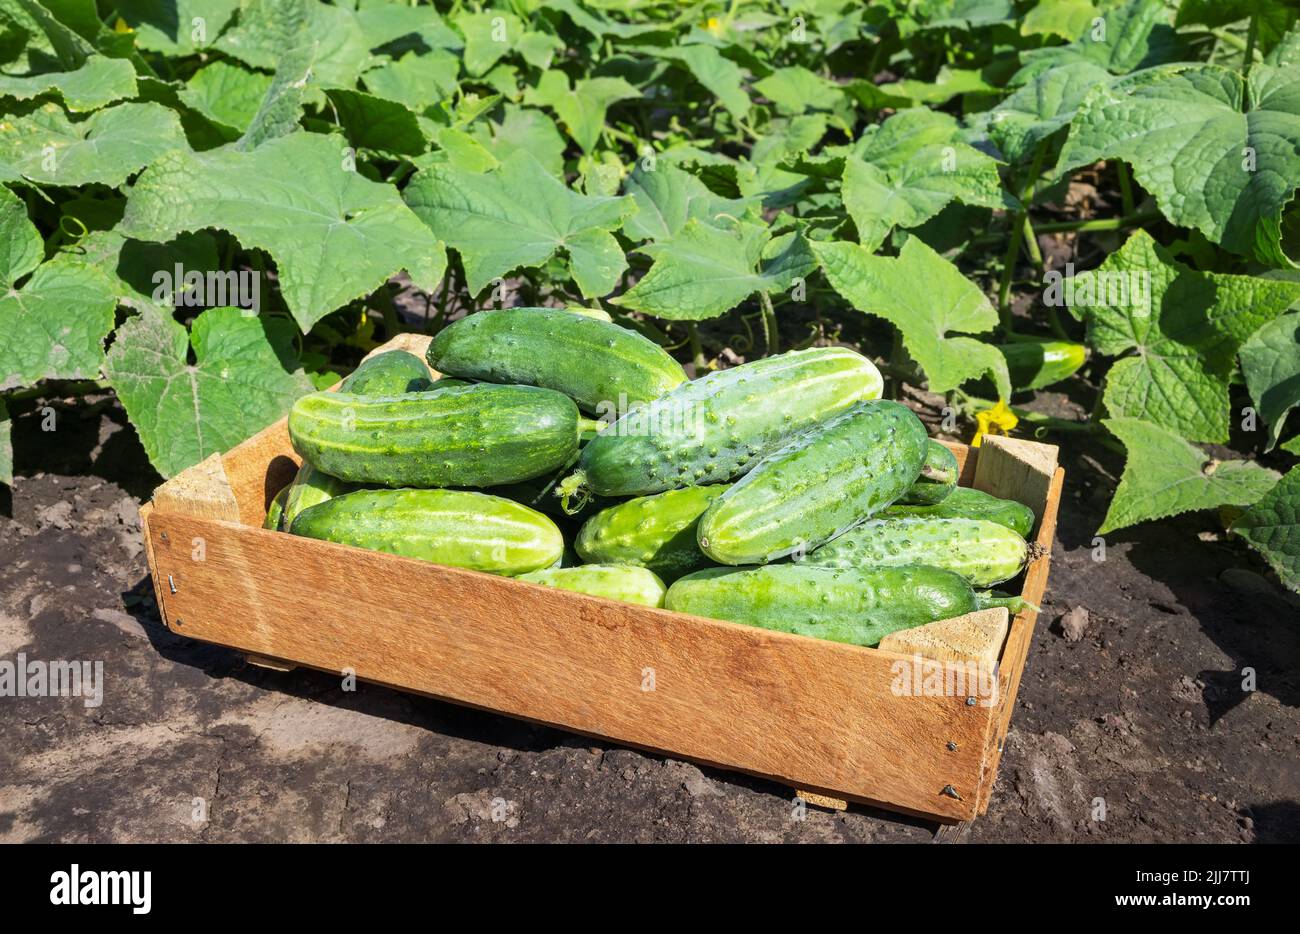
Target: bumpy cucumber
[(982, 552), (453, 527), (613, 582), (715, 428), (473, 436), (276, 512), (938, 477), (824, 481), (843, 605), (388, 374), (657, 532), (967, 503), (1035, 364), (600, 365), (310, 488)]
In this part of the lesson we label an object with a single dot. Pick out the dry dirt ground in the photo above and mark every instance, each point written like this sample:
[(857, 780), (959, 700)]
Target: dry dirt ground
[(1134, 703)]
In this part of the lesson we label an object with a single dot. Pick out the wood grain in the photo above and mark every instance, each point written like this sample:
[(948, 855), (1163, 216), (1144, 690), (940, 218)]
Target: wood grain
[(976, 637), (1016, 469), (201, 490)]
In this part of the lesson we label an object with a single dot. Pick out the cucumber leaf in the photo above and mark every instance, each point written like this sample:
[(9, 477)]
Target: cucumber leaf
[(1272, 526), (925, 297), (1131, 36), (1165, 475), (1270, 361), (21, 247), (228, 95), (581, 108), (177, 27), (244, 377), (720, 76), (97, 83), (334, 235), (667, 197)]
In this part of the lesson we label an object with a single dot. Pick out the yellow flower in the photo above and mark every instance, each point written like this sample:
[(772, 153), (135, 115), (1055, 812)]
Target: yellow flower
[(122, 26), (713, 25), (998, 420)]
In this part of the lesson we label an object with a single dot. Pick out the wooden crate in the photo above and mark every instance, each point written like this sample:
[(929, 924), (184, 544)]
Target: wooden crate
[(821, 717)]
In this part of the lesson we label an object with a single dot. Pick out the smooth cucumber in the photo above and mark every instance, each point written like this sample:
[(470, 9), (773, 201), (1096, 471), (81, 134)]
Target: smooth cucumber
[(982, 552), (1034, 364), (967, 503), (276, 511), (472, 436), (826, 480), (613, 582), (938, 477), (843, 605), (452, 527), (310, 487), (657, 532), (601, 366), (388, 374), (715, 428)]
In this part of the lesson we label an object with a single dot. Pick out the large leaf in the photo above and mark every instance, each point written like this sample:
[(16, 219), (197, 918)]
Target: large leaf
[(55, 325), (228, 95), (1218, 153), (281, 108), (378, 123), (1165, 476), (1042, 107), (334, 235), (105, 148), (1273, 18), (1272, 526), (1178, 330), (926, 298), (176, 27), (244, 378), (1128, 37), (133, 266), (667, 197), (796, 90), (21, 247), (418, 81), (1270, 361), (98, 82), (522, 129), (581, 108), (520, 215), (489, 36), (268, 29), (904, 171), (705, 271), (721, 76)]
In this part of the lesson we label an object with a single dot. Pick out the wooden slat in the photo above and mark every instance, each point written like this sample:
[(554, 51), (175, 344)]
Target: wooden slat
[(1016, 469), (806, 712), (976, 637), (202, 490)]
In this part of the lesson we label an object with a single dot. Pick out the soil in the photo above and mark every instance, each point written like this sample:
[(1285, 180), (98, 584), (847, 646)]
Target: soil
[(1132, 707)]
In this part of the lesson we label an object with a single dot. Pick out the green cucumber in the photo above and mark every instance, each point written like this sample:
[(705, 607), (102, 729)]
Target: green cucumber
[(472, 436), (388, 374), (967, 503), (982, 552), (276, 512), (1034, 364), (843, 605), (715, 428), (824, 481), (938, 477), (657, 532), (452, 527), (310, 487), (613, 582), (601, 366)]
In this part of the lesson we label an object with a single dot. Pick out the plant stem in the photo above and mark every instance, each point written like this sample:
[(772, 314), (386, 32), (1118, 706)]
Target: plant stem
[(1088, 226), (771, 339), (1248, 57), (1125, 187), (697, 349), (1018, 229), (392, 321)]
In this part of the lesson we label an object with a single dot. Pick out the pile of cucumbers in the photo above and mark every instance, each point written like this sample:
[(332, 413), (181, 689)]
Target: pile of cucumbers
[(562, 449)]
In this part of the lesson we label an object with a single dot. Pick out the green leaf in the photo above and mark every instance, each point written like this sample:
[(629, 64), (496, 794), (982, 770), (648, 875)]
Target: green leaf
[(796, 90), (961, 14), (269, 29), (1292, 446), (98, 82), (926, 298), (721, 76), (1272, 526), (520, 215), (244, 378), (522, 129), (21, 247), (489, 36), (1040, 108), (105, 148), (334, 235), (6, 447), (667, 197), (1180, 330), (1064, 18), (1134, 35), (1273, 18), (705, 271), (1270, 361), (581, 108), (372, 122), (226, 94), (1219, 154), (904, 171), (132, 266), (949, 83), (281, 108), (171, 27), (1165, 476), (55, 325), (418, 81)]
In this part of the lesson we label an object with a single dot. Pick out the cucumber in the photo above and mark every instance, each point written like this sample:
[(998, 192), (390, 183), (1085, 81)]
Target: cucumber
[(1034, 364), (824, 481), (657, 532), (982, 552), (967, 503), (715, 428), (452, 527), (938, 477), (274, 514), (629, 584), (601, 366), (388, 374), (310, 487), (472, 436), (843, 605)]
